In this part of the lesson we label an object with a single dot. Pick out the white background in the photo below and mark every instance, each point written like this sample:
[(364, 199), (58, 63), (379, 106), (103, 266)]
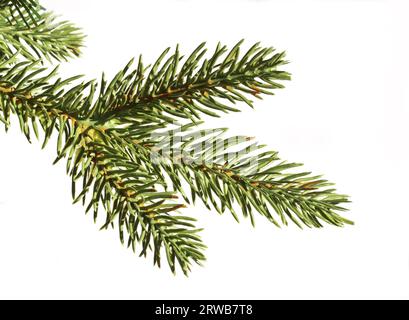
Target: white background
[(344, 114)]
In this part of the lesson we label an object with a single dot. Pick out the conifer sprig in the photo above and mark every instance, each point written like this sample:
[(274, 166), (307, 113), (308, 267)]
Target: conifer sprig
[(255, 179), (112, 172), (187, 88), (29, 30), (123, 152), (28, 10)]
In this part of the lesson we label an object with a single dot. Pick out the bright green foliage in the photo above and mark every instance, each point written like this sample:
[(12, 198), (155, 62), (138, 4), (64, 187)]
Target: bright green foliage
[(26, 28), (110, 133), (29, 10)]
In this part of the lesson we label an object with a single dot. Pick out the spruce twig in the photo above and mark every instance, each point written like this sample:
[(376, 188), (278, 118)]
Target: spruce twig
[(124, 151)]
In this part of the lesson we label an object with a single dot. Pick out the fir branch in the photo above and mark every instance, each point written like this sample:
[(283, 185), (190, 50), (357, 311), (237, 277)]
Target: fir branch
[(109, 134), (127, 191), (203, 85), (111, 173), (27, 10), (251, 177), (47, 39)]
